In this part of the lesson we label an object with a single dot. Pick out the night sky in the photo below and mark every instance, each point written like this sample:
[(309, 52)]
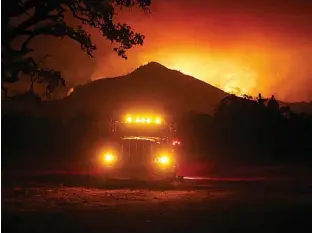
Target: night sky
[(239, 46)]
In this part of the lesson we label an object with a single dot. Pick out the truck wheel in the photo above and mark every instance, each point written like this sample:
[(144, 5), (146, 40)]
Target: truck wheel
[(180, 178), (169, 179), (106, 178)]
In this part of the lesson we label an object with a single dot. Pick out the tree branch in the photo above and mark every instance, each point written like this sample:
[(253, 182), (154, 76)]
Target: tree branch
[(19, 7), (41, 14), (62, 30), (47, 18)]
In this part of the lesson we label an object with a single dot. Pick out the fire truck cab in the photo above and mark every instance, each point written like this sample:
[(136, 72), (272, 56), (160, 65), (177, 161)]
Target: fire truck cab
[(142, 148)]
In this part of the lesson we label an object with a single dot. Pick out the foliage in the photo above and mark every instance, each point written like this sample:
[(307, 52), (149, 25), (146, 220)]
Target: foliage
[(24, 20), (241, 130), (249, 129)]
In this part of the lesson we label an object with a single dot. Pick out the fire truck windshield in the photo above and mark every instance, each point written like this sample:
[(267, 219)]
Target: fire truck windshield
[(123, 129)]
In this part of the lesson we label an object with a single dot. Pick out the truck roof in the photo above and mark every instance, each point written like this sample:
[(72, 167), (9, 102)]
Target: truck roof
[(153, 139)]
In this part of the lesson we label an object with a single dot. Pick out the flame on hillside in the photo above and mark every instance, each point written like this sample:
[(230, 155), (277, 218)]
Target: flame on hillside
[(71, 90)]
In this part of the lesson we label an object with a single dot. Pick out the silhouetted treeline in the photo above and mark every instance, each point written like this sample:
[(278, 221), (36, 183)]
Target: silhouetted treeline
[(241, 130), (247, 130), (27, 138)]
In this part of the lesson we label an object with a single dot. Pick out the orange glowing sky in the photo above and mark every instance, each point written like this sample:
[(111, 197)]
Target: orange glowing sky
[(239, 46)]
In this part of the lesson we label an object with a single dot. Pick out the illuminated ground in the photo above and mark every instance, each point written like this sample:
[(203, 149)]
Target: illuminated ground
[(196, 206)]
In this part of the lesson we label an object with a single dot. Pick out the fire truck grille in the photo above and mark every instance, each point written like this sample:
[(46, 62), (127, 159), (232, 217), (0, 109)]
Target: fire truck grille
[(136, 151)]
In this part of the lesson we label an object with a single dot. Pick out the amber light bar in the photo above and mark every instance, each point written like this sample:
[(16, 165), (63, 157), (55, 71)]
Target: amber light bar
[(143, 120)]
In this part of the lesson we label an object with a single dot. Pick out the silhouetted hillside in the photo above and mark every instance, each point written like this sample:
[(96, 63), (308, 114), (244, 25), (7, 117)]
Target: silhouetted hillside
[(149, 86), (300, 107), (212, 125)]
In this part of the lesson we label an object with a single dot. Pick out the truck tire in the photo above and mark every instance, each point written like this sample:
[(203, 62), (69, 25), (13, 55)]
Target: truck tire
[(169, 179)]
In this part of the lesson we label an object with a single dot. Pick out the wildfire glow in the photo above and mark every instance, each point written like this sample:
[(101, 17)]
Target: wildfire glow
[(226, 44), (226, 73)]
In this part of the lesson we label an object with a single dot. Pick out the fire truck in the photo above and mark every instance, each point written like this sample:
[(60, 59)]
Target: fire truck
[(142, 147)]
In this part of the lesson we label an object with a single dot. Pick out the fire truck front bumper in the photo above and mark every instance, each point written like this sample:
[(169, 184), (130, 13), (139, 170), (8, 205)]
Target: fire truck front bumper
[(141, 172)]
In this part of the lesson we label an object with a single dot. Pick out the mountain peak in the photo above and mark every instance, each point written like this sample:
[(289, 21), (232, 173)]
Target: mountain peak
[(150, 86), (151, 67), (154, 64)]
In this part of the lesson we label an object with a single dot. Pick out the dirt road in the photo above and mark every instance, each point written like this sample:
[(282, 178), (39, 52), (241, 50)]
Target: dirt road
[(196, 206)]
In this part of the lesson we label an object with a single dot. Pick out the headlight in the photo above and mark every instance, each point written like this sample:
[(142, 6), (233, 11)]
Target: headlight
[(109, 158), (163, 159)]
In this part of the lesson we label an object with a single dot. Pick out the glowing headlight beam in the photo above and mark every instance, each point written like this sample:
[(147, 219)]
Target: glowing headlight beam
[(109, 158), (163, 159)]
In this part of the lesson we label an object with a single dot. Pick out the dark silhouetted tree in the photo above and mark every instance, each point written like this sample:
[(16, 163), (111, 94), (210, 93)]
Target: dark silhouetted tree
[(273, 104), (261, 101), (248, 97), (23, 20), (286, 112), (253, 131)]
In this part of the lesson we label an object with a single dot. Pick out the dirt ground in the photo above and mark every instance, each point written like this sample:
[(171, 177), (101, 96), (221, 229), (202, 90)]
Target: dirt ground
[(193, 206)]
